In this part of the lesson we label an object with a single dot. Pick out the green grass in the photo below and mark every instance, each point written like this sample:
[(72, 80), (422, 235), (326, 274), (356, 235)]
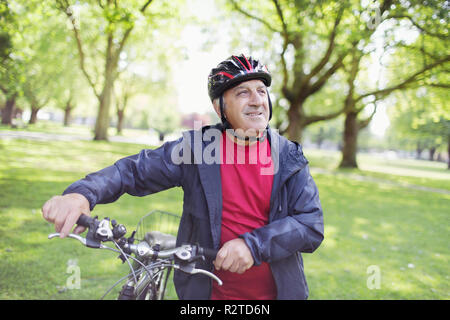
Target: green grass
[(372, 217), (379, 217), (33, 267), (44, 126), (405, 172)]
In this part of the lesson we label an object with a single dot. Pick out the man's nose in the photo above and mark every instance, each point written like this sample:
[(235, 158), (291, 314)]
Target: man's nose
[(256, 99)]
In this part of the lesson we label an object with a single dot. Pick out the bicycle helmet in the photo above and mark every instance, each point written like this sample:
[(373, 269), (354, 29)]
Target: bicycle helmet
[(232, 71)]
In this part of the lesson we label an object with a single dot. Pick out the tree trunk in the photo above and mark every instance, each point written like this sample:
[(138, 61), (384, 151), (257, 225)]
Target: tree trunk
[(67, 113), (7, 112), (102, 122), (33, 115), (448, 152), (295, 127), (120, 117), (350, 138), (320, 138), (431, 153), (161, 136), (419, 150)]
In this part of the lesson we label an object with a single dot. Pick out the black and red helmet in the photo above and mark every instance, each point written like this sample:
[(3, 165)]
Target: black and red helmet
[(231, 72), (234, 70)]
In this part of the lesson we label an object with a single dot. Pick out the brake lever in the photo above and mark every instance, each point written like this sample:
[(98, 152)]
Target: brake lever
[(76, 237), (209, 274), (70, 235), (188, 268)]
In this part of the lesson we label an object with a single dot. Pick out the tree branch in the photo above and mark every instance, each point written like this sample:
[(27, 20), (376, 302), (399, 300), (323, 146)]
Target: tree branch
[(324, 78), (145, 5), (316, 118), (331, 45), (127, 34), (239, 9), (285, 35), (414, 23), (418, 50), (64, 6), (364, 123), (439, 85), (411, 79), (5, 92), (281, 16)]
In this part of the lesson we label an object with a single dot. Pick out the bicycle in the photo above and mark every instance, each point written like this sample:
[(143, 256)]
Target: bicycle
[(155, 254)]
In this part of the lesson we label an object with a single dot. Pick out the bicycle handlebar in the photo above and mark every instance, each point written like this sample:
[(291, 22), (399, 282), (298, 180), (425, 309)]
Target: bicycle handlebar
[(208, 253), (92, 223), (156, 250), (101, 231), (85, 220), (185, 253), (143, 250)]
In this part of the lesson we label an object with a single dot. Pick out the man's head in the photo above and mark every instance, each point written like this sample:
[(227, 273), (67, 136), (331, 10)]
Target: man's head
[(238, 89)]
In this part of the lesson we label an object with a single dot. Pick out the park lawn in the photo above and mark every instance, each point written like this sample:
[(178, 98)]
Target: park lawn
[(76, 130), (403, 172), (380, 217), (401, 231), (33, 267)]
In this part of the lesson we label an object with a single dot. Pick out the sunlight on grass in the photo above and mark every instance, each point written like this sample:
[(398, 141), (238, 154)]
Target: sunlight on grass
[(330, 241), (439, 171), (400, 172)]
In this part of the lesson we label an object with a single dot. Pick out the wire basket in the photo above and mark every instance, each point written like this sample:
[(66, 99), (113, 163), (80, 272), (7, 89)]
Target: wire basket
[(157, 220)]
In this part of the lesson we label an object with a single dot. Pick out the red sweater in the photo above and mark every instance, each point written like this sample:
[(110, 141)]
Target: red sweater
[(246, 190)]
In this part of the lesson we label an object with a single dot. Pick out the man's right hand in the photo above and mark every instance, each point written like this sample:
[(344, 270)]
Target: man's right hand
[(64, 211)]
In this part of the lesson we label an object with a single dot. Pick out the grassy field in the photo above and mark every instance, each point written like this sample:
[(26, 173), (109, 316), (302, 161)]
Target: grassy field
[(391, 216)]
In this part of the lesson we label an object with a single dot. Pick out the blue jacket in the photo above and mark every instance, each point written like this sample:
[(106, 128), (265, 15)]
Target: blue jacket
[(295, 218)]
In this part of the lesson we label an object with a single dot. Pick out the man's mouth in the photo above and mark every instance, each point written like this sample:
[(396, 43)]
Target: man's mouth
[(253, 114)]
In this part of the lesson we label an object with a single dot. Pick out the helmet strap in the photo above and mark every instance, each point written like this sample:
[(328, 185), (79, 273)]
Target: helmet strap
[(222, 110), (250, 139), (270, 105), (226, 125)]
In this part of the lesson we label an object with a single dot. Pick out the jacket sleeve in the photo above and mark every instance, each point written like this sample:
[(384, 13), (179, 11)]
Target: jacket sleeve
[(301, 230), (147, 172)]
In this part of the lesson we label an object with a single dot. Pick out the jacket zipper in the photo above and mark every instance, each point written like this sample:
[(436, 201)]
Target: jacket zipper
[(279, 194)]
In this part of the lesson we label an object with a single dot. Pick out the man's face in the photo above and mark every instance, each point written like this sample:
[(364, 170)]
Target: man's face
[(247, 106)]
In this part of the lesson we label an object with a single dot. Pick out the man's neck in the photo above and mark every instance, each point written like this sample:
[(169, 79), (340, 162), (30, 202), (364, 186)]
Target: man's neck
[(244, 140)]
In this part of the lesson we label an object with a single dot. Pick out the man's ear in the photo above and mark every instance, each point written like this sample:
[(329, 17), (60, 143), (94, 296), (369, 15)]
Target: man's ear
[(216, 105)]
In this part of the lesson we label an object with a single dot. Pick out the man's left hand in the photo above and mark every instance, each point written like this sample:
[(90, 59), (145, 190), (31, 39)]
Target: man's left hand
[(234, 256)]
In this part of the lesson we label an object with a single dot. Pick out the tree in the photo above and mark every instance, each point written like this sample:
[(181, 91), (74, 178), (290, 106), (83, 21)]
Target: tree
[(325, 132), (36, 67), (358, 97), (116, 21), (10, 61), (44, 63), (354, 106), (72, 89), (126, 87), (315, 39), (420, 120)]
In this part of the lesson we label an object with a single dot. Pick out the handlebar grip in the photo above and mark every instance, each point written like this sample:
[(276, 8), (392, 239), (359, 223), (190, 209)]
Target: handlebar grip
[(209, 253), (84, 220)]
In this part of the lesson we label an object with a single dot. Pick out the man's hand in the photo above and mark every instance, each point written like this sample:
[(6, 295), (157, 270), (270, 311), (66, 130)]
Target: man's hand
[(234, 256), (64, 212)]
